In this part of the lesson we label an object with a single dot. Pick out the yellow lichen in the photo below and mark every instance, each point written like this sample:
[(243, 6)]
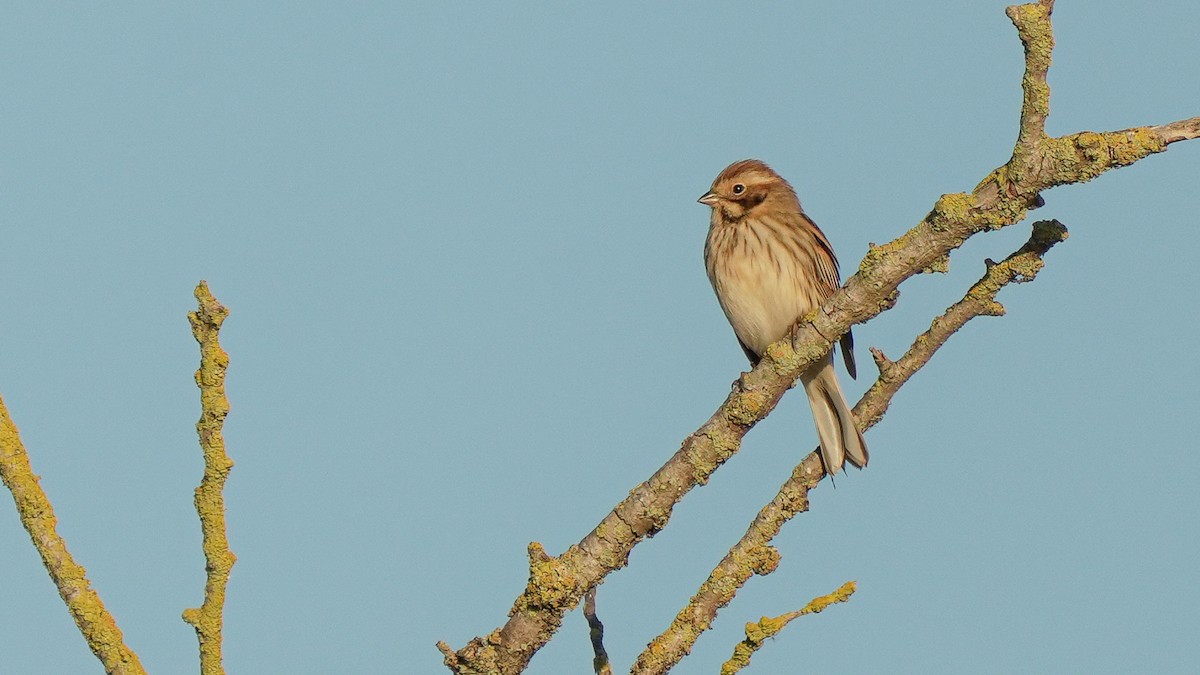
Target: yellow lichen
[(762, 560), (745, 408), (954, 207)]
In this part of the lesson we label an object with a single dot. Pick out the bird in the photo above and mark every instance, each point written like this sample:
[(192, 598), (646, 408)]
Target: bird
[(770, 265)]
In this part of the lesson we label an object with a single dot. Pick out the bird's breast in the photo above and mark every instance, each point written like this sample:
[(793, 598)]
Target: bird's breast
[(763, 281)]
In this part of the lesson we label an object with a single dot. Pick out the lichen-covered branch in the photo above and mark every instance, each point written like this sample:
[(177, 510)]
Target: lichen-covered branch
[(1004, 197), (556, 584), (753, 553), (766, 628), (1020, 267), (209, 497), (1033, 28), (98, 627)]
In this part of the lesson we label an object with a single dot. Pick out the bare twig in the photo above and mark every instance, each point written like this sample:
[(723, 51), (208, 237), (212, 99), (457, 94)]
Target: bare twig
[(768, 627), (753, 554), (600, 661), (210, 501), (1183, 130)]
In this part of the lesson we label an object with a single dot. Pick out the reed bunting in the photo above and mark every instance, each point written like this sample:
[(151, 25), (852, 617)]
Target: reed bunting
[(771, 265)]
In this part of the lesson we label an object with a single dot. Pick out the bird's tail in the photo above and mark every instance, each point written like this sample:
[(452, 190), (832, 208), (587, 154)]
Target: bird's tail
[(840, 438)]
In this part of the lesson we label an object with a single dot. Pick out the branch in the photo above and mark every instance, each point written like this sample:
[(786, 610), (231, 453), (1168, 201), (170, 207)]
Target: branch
[(758, 633), (980, 300), (556, 584), (600, 661), (753, 554), (1183, 130), (210, 502), (1033, 28), (98, 627)]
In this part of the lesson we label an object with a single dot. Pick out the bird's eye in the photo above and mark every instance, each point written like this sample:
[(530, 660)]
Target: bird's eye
[(739, 189)]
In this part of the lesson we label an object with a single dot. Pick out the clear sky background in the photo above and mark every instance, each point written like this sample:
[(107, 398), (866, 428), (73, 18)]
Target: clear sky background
[(462, 251)]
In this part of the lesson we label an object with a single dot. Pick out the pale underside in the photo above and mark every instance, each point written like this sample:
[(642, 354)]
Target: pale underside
[(766, 279)]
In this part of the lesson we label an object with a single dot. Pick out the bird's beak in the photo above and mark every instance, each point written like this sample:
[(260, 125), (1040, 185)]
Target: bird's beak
[(709, 199)]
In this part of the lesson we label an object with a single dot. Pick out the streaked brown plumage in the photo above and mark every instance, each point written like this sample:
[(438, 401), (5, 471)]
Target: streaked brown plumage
[(770, 265)]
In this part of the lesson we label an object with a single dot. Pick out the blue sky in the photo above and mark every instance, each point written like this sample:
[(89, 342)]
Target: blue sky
[(463, 257)]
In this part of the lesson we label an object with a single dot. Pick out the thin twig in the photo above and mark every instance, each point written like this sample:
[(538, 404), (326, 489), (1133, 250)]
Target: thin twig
[(209, 498), (766, 628), (1183, 130), (600, 661)]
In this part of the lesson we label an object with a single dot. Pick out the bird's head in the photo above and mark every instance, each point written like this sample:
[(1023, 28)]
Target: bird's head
[(745, 185)]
